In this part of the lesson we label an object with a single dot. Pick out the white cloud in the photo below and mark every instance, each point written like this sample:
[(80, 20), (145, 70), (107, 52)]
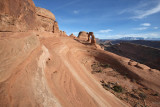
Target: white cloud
[(143, 9), (145, 24), (155, 27), (105, 31), (140, 14), (75, 11), (141, 28)]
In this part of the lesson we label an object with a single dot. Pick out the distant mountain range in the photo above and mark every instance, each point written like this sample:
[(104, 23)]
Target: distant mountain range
[(138, 38)]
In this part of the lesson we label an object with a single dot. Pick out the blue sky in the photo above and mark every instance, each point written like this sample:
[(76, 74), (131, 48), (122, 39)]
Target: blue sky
[(106, 18)]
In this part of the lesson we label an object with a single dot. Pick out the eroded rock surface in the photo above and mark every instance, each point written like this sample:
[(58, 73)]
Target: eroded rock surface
[(22, 15), (72, 36), (17, 15), (83, 35), (56, 27), (46, 20)]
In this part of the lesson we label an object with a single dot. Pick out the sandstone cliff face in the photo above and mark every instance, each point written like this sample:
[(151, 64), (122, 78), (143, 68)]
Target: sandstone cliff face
[(22, 15), (46, 19), (17, 15), (83, 35)]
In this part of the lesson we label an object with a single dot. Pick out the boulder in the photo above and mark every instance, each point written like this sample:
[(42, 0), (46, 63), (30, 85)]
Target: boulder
[(83, 35), (17, 15), (132, 63)]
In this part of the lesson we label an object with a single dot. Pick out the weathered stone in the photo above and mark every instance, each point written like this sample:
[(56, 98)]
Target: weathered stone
[(142, 66), (83, 35), (45, 13), (72, 35), (45, 19), (93, 39), (22, 15), (132, 63), (17, 15), (63, 33), (55, 27)]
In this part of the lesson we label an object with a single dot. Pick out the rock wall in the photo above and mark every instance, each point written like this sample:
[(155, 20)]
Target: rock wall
[(17, 15), (22, 15), (45, 19)]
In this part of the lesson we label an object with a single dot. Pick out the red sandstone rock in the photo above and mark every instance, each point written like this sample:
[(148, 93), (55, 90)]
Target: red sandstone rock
[(72, 35), (55, 27), (83, 35), (142, 66), (22, 15), (46, 19), (45, 13), (132, 63), (93, 39), (17, 15), (63, 33)]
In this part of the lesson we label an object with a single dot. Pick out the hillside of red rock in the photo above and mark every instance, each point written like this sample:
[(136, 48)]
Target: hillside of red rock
[(43, 67)]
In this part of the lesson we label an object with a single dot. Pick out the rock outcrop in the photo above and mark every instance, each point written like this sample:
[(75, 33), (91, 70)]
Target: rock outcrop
[(46, 20), (93, 39), (72, 36), (63, 33), (22, 15), (56, 27), (17, 15), (83, 35)]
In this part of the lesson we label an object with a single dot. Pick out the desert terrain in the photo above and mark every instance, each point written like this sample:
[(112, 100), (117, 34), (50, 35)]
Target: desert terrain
[(41, 66)]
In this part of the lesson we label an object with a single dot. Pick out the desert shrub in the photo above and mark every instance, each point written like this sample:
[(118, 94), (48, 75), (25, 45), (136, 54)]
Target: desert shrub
[(134, 96), (99, 71), (105, 65), (142, 95), (117, 88)]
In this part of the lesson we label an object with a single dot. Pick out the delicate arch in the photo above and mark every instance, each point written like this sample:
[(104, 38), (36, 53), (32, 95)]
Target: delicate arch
[(93, 40)]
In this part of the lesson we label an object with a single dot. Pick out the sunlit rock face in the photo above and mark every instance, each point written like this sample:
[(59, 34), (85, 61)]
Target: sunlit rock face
[(46, 20), (83, 35), (22, 15), (17, 15)]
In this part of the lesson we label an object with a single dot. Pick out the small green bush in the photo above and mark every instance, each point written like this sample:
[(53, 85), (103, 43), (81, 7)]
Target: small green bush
[(99, 71), (142, 95), (118, 88), (105, 65)]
